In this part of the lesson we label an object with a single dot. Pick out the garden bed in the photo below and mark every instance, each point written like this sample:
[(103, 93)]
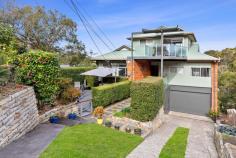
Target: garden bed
[(10, 89), (90, 141), (225, 140), (121, 119)]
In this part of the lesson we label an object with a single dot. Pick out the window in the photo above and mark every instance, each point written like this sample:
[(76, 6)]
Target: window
[(176, 70), (149, 42), (205, 72), (201, 72), (142, 42), (196, 71), (121, 69)]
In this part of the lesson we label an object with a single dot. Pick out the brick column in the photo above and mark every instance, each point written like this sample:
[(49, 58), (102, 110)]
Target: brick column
[(214, 86), (141, 69)]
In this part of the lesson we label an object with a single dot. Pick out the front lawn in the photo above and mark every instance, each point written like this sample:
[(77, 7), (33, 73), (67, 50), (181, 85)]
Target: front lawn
[(91, 141), (176, 145)]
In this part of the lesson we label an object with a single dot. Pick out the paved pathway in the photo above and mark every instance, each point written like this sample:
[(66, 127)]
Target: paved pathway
[(200, 139), (116, 107), (33, 143)]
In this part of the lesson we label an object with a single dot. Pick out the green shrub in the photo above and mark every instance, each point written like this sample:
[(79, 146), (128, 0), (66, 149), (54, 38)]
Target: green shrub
[(74, 73), (90, 80), (70, 94), (146, 98), (4, 75), (40, 70), (107, 94)]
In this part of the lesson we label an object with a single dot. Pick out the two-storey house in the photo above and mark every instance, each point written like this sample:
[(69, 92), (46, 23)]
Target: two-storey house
[(172, 53)]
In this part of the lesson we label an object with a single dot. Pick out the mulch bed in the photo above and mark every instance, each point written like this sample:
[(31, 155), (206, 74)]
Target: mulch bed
[(10, 89)]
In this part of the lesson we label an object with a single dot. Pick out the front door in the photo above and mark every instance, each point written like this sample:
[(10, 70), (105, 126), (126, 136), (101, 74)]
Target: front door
[(154, 70)]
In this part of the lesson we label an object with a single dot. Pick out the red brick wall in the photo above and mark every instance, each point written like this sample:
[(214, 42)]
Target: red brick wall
[(141, 69), (214, 85)]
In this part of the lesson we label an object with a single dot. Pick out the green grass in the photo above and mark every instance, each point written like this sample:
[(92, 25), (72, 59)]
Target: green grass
[(123, 113), (91, 141), (176, 145)]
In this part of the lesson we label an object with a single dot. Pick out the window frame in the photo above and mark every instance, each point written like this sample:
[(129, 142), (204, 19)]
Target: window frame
[(201, 71)]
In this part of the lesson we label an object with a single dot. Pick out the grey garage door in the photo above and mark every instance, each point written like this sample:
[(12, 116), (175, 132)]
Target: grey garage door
[(192, 100)]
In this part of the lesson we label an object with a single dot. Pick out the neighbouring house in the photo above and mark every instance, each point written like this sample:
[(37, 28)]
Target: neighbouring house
[(190, 76)]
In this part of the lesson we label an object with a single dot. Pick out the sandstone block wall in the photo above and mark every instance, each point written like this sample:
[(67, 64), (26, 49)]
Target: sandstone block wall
[(61, 111), (18, 115)]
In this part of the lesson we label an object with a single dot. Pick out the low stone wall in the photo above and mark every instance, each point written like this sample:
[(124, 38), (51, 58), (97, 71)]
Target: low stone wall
[(223, 146), (61, 111), (18, 115), (148, 127)]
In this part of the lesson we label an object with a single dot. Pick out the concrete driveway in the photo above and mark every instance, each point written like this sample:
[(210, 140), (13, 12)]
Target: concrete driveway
[(200, 139), (33, 143)]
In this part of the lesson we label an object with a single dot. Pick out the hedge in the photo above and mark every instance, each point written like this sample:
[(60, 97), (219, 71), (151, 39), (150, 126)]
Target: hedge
[(40, 70), (74, 73), (108, 94), (147, 97)]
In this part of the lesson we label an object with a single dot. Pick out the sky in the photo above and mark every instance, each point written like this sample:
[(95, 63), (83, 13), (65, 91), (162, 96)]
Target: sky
[(212, 21)]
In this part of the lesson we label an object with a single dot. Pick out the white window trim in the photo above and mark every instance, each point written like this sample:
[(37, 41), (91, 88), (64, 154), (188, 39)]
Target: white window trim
[(201, 71)]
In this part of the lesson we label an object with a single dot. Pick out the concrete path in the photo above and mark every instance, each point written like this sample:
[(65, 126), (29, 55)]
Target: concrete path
[(200, 139), (33, 143), (116, 107)]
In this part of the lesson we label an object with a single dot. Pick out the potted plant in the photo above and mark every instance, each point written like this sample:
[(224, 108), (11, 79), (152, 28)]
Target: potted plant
[(108, 123), (117, 126), (128, 129), (98, 112), (54, 119), (72, 116), (137, 131)]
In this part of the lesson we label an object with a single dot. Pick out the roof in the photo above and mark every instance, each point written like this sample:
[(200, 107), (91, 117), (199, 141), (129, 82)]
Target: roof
[(120, 53), (100, 72), (162, 29), (201, 57), (123, 47), (152, 35)]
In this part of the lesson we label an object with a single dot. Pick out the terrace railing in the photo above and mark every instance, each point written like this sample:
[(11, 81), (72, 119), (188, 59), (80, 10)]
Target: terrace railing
[(170, 50)]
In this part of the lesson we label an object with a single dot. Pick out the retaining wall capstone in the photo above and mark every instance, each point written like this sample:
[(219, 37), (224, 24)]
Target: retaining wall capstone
[(18, 115)]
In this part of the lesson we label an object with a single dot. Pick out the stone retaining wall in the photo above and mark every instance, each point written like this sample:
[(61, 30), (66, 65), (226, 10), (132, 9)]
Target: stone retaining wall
[(223, 147), (18, 115), (148, 127), (61, 111)]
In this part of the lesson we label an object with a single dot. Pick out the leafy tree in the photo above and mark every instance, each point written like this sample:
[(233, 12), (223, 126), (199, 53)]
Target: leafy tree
[(7, 42), (39, 28), (227, 77)]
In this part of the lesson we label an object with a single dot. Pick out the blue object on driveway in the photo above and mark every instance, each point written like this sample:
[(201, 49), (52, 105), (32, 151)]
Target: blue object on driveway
[(72, 116), (54, 119)]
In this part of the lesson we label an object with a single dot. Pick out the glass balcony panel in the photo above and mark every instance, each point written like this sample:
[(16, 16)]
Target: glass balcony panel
[(168, 50)]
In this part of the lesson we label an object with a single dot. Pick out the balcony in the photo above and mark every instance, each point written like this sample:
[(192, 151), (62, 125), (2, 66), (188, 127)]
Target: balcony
[(169, 50)]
